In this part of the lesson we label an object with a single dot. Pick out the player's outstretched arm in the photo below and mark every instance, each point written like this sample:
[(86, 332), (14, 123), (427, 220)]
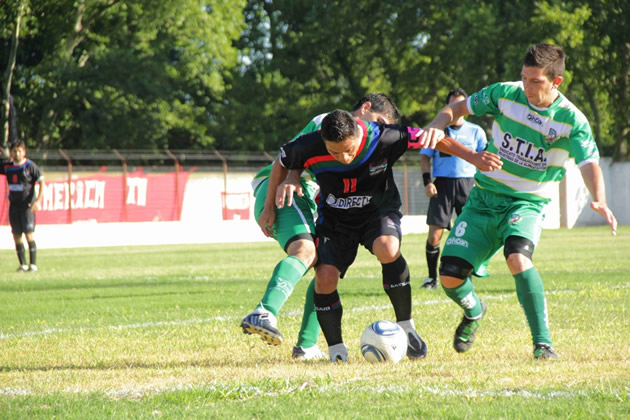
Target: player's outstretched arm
[(484, 161), (594, 181), (434, 132)]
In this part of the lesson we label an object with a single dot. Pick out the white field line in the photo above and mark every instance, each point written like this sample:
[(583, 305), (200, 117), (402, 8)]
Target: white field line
[(248, 391), (49, 331)]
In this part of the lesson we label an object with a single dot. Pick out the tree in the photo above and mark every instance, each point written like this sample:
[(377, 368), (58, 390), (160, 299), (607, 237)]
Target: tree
[(137, 74), (7, 103)]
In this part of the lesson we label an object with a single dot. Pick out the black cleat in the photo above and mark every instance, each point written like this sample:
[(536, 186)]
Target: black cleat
[(544, 351), (429, 283), (416, 347), (465, 332)]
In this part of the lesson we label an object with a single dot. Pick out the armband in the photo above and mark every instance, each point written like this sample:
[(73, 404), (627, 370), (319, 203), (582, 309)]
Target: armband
[(426, 178)]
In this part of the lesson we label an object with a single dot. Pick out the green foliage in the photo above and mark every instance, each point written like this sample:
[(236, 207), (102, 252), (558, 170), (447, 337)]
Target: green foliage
[(248, 75), (131, 74)]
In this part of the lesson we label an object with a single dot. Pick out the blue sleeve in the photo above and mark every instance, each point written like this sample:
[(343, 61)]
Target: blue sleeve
[(482, 141)]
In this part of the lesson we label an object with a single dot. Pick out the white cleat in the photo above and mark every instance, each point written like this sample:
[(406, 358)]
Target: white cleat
[(338, 353), (309, 353)]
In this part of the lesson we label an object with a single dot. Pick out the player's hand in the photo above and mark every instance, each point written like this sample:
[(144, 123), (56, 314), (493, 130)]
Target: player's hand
[(430, 137), (607, 214), (265, 221), (285, 191), (486, 161), (34, 206), (430, 190)]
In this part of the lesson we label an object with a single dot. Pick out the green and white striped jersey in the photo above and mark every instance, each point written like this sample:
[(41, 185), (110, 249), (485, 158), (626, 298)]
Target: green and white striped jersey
[(534, 143), (264, 173)]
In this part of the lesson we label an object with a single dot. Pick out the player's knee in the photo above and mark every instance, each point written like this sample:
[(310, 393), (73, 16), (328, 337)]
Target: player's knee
[(305, 250), (519, 246), (326, 278), (386, 248), (455, 267)]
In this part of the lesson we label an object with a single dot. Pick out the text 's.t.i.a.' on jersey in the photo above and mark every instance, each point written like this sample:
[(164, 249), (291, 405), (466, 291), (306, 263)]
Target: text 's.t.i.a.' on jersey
[(365, 186), (534, 143)]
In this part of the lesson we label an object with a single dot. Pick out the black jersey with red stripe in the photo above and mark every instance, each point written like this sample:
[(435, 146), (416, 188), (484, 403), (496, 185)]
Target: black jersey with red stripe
[(21, 179), (354, 191)]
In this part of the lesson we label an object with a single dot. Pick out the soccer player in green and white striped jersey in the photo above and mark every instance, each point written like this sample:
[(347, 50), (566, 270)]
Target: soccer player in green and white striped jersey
[(536, 130)]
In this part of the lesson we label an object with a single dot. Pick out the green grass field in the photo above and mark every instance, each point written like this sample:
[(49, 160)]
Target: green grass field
[(153, 332)]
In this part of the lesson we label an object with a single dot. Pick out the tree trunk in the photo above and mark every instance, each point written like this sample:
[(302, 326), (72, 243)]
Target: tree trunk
[(8, 76)]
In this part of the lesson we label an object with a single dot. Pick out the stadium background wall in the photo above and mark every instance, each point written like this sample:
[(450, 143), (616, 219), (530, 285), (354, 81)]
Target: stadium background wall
[(218, 207)]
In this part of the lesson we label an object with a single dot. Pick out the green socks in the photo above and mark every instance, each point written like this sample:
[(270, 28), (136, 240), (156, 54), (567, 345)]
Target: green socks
[(465, 296), (309, 331), (284, 278), (531, 296)]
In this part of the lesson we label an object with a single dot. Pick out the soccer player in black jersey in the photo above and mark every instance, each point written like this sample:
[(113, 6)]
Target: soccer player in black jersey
[(22, 176), (360, 204)]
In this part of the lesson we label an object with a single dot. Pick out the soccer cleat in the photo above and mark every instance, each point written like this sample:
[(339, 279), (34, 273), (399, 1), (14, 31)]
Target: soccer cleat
[(416, 348), (32, 268), (544, 351), (309, 353), (430, 283), (263, 323), (465, 332), (22, 268), (338, 353)]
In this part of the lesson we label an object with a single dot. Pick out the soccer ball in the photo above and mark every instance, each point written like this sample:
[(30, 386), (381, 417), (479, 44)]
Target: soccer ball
[(383, 341)]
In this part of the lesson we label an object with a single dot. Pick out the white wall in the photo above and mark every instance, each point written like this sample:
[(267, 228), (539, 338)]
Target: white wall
[(202, 220)]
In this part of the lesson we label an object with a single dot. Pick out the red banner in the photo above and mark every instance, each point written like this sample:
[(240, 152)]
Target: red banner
[(136, 197)]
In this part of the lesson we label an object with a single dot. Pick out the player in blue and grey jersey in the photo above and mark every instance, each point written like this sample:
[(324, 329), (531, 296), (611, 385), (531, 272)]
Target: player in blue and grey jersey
[(453, 180)]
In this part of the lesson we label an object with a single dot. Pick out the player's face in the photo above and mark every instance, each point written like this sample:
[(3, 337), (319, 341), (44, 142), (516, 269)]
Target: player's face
[(18, 154), (346, 150), (365, 113), (376, 117), (539, 90)]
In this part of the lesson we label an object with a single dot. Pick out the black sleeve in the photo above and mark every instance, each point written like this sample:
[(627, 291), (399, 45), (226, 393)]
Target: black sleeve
[(35, 172), (399, 138), (295, 153)]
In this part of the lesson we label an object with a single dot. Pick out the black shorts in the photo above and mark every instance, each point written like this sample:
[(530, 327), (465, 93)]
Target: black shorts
[(22, 219), (337, 244), (451, 195)]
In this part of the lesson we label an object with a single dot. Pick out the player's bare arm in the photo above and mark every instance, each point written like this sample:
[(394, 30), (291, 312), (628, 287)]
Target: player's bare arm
[(434, 132), (268, 215), (484, 161), (425, 165), (594, 181), (36, 205)]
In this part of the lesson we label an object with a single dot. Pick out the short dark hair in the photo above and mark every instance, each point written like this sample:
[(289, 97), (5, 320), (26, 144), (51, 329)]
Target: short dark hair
[(381, 104), (455, 92), (338, 126), (16, 144), (546, 56)]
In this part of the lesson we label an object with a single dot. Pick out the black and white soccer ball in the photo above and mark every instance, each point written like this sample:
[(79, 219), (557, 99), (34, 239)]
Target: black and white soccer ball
[(383, 341)]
